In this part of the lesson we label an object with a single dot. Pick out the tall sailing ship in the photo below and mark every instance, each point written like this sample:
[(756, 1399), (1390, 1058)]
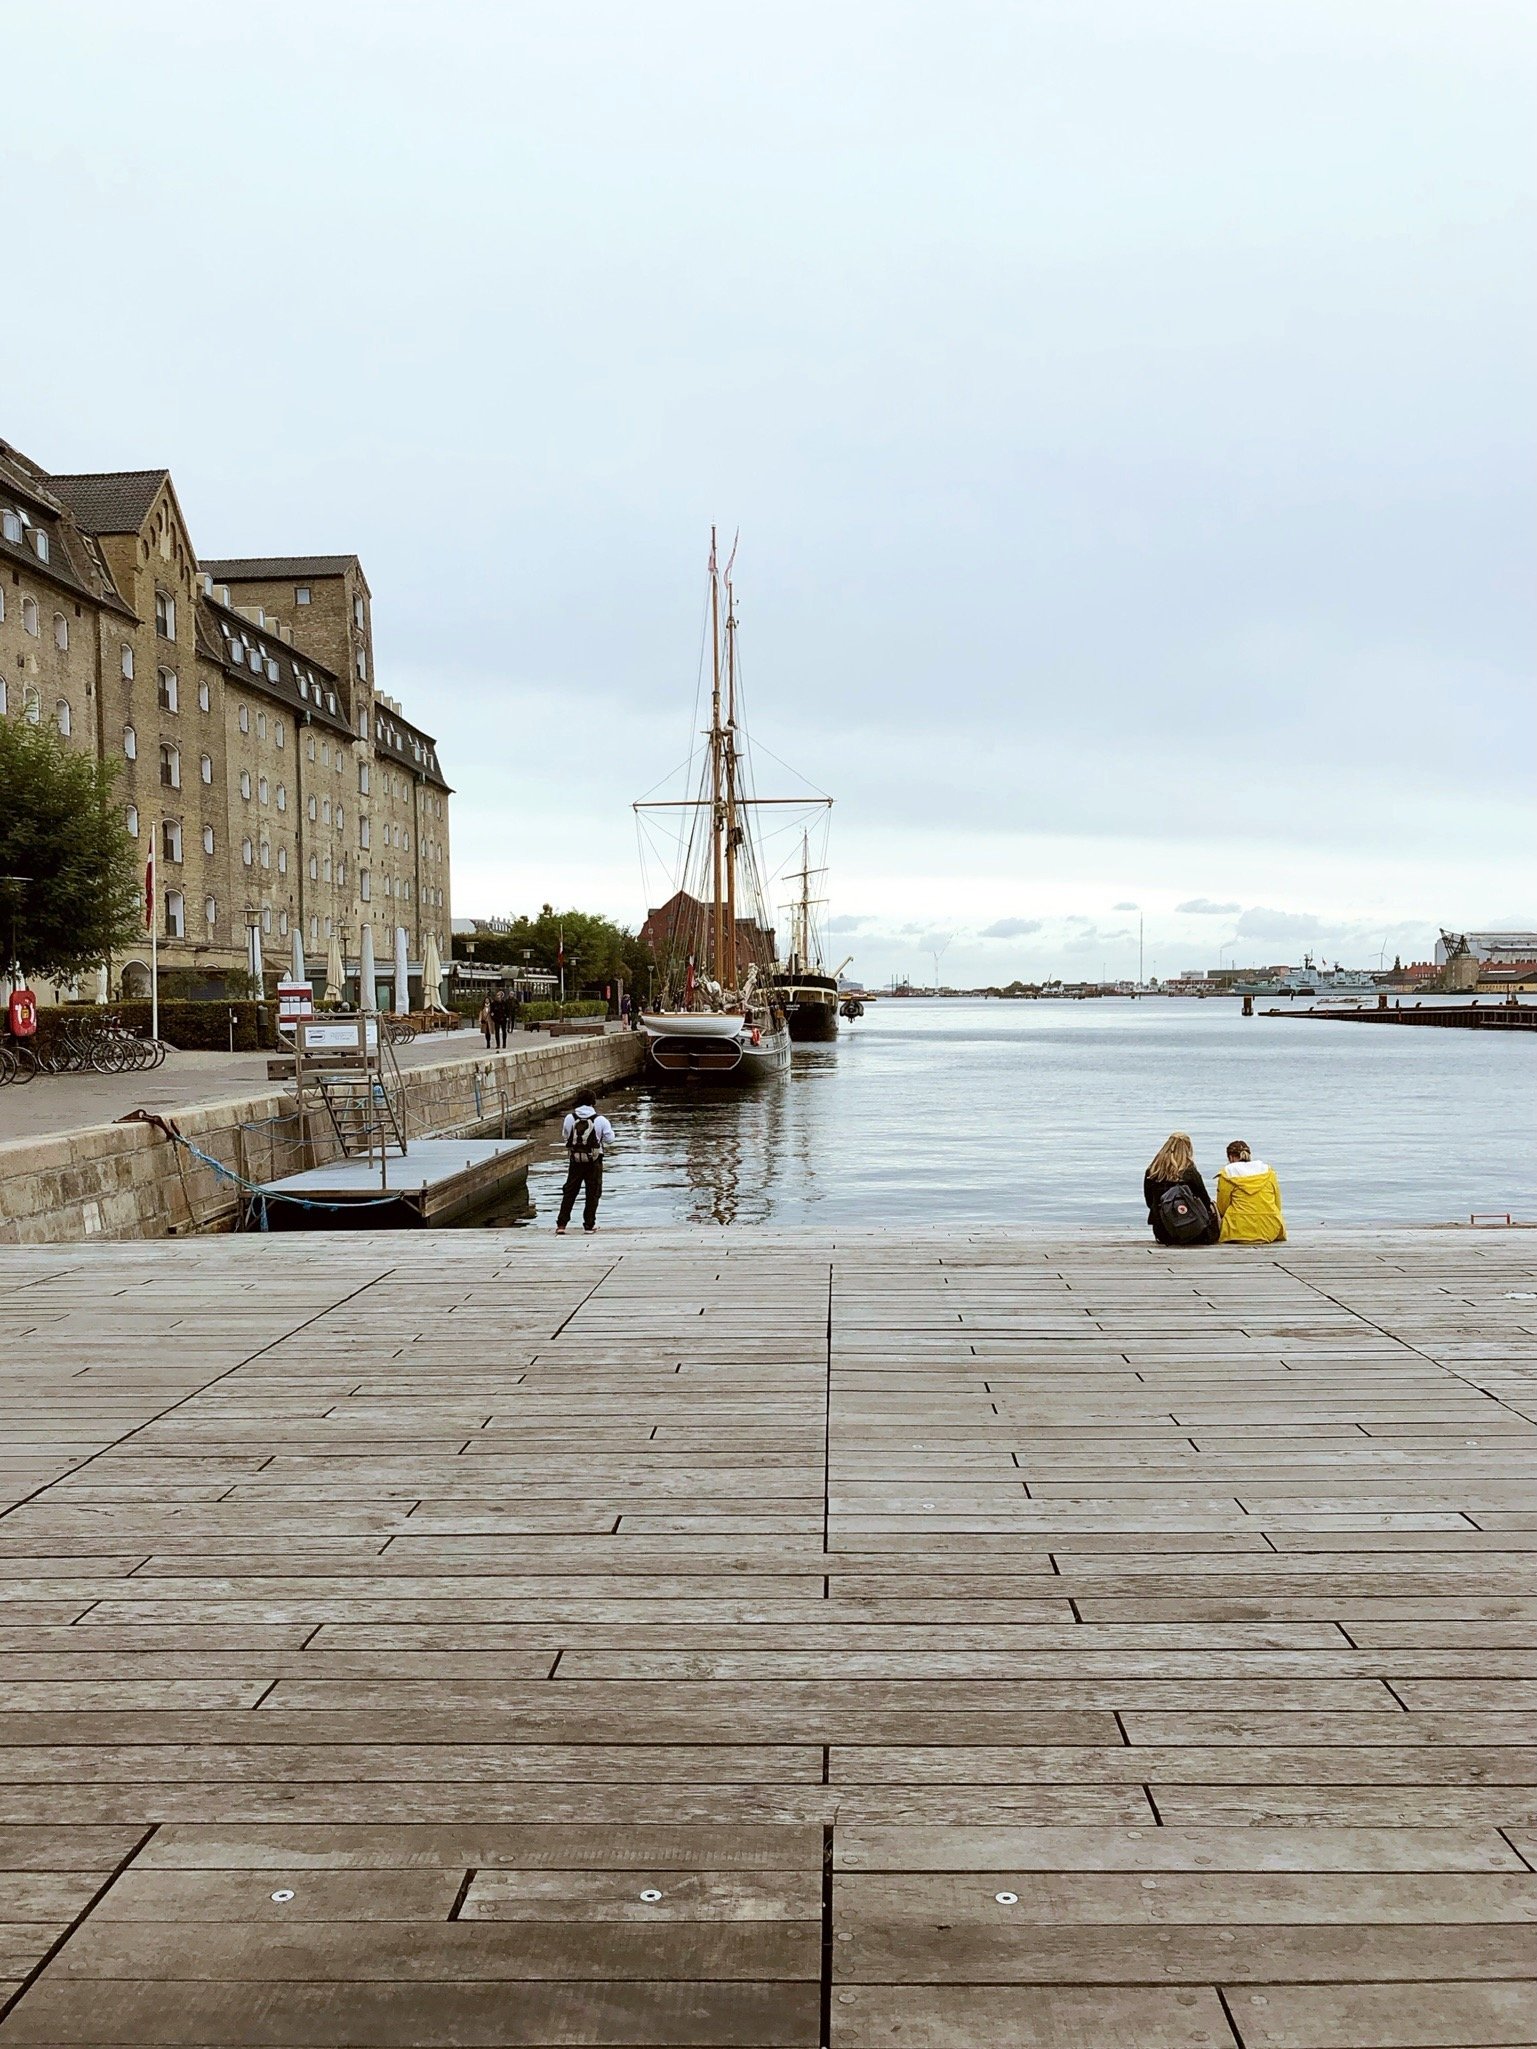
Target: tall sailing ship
[(803, 984), (721, 1012)]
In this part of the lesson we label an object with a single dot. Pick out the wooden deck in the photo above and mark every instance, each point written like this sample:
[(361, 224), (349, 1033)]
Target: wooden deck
[(756, 1639)]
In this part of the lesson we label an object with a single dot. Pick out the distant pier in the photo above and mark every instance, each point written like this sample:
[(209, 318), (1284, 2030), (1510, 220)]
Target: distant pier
[(1488, 1017)]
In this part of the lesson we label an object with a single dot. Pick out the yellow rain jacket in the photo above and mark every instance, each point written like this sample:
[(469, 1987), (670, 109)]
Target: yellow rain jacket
[(1249, 1204)]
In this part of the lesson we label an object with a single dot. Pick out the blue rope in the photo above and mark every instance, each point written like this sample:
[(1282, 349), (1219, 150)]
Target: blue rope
[(264, 1196)]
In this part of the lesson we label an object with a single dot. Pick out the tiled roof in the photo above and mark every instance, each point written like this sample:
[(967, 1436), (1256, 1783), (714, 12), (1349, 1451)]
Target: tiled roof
[(271, 568), (114, 503)]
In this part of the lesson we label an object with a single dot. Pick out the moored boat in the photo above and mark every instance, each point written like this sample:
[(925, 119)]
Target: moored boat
[(721, 1014)]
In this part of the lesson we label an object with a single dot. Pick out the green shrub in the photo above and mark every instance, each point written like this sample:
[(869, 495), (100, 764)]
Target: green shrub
[(544, 1013)]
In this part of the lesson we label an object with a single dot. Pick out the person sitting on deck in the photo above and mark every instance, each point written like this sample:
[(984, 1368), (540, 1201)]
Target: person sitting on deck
[(1178, 1206), (1249, 1200)]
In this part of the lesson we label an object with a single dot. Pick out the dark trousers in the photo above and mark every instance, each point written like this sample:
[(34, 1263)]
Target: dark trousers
[(587, 1176), (502, 1028)]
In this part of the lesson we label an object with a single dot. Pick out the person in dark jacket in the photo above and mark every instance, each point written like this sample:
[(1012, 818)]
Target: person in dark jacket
[(1173, 1166)]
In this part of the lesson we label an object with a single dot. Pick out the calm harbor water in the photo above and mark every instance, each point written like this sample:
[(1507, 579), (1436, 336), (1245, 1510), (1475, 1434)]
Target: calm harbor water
[(1046, 1113)]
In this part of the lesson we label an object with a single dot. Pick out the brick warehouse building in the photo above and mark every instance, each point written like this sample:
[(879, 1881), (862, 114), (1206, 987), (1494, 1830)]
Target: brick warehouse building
[(279, 786)]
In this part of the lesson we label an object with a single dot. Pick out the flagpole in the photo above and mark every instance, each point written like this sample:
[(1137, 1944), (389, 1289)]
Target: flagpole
[(154, 943), (560, 962)]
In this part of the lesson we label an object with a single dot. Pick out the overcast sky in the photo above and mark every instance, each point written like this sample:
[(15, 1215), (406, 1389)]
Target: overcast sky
[(1127, 411)]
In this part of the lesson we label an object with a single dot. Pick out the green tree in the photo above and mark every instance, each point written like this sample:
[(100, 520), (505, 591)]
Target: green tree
[(61, 828), (597, 950)]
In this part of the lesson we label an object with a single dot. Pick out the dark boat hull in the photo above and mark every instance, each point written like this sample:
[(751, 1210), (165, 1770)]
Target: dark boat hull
[(812, 1023)]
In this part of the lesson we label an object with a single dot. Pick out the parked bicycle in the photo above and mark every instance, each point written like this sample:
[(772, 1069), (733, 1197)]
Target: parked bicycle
[(95, 1045)]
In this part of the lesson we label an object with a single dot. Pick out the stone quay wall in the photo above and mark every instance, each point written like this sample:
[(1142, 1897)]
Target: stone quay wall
[(131, 1181)]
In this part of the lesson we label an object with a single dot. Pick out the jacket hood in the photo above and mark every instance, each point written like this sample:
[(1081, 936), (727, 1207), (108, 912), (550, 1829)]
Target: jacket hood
[(1242, 1169)]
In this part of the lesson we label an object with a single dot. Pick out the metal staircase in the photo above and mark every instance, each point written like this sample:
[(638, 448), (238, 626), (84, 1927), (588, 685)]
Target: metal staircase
[(346, 1066)]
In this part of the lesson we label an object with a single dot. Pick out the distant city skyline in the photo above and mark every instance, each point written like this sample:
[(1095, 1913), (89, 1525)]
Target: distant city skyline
[(1127, 414)]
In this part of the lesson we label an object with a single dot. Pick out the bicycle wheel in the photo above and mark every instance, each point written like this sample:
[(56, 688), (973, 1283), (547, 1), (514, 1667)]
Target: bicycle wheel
[(7, 1066), (26, 1063)]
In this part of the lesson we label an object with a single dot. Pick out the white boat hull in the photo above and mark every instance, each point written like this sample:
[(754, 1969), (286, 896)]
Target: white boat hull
[(743, 1054)]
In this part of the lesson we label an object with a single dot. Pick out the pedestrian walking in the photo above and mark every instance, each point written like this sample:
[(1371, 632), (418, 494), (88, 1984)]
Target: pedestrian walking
[(487, 1022), (587, 1135), (501, 1017)]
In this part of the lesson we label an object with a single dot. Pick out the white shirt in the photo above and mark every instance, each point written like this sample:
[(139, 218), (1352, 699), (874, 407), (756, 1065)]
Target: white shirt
[(602, 1130)]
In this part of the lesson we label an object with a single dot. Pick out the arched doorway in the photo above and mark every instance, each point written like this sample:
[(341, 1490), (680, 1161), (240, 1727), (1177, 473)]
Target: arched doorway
[(135, 982)]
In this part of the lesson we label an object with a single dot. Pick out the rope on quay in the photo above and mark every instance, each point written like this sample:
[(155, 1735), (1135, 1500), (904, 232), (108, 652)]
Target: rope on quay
[(168, 1127)]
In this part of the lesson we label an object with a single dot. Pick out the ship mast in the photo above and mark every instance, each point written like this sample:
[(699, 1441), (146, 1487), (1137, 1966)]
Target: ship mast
[(733, 967), (717, 807)]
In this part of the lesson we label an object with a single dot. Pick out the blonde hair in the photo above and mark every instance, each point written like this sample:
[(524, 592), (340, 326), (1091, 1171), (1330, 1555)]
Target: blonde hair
[(1174, 1158)]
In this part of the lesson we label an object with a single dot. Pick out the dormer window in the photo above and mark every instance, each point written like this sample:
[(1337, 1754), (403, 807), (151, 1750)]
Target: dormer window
[(10, 525), (40, 543)]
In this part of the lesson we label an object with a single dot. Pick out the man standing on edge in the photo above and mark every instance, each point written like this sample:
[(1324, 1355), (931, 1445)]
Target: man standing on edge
[(587, 1137)]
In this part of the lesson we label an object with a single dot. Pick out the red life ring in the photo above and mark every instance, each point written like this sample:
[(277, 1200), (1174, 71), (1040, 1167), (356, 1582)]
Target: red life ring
[(23, 1013)]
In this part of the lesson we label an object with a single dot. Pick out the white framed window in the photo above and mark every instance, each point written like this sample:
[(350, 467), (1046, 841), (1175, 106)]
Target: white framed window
[(40, 543), (364, 832), (265, 853), (261, 789), (10, 525), (330, 928), (208, 841), (363, 778), (357, 612), (210, 911), (62, 717), (277, 732), (60, 631), (301, 594), (314, 869), (405, 841), (245, 783), (266, 917), (341, 818), (325, 752), (169, 691), (245, 718), (310, 749), (175, 914), (282, 797), (314, 927), (282, 924), (362, 666), (205, 767), (127, 662), (363, 722), (170, 765), (325, 811), (2, 606), (313, 807), (261, 725), (170, 839), (202, 697), (5, 696), (131, 820), (247, 852), (282, 860), (272, 669), (165, 615), (364, 885), (130, 744), (29, 618)]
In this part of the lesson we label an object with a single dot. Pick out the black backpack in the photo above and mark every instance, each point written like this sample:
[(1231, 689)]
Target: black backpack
[(1184, 1216), (583, 1143)]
